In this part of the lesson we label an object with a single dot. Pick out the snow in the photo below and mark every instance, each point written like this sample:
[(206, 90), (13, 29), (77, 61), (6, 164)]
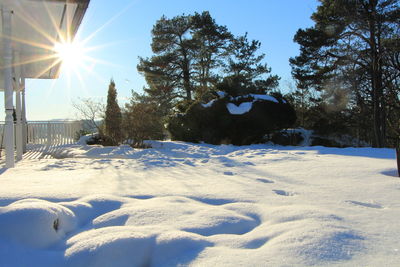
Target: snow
[(209, 104), (245, 107), (264, 97), (256, 97), (241, 109), (35, 223), (84, 139), (221, 94), (201, 205)]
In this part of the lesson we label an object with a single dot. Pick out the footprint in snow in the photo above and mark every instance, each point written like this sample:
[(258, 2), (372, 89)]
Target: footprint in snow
[(190, 163), (229, 173), (283, 193), (229, 165), (265, 181), (364, 204)]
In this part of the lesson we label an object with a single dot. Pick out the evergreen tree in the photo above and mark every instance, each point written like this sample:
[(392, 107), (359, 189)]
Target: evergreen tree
[(113, 117), (245, 70), (212, 45), (192, 52), (347, 44), (171, 65)]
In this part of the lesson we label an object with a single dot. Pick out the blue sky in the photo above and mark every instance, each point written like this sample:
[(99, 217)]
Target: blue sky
[(123, 31)]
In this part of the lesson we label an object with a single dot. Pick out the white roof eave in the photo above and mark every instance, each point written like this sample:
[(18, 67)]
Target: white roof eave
[(36, 26)]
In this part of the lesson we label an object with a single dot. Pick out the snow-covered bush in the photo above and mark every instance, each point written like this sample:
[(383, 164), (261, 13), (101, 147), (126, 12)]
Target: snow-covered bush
[(239, 120), (286, 138), (35, 223), (303, 137)]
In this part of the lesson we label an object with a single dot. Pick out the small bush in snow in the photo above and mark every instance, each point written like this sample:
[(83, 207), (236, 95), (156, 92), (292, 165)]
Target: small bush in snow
[(287, 138), (142, 121)]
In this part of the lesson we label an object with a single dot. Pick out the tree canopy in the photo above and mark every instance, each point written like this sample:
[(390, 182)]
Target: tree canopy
[(354, 47), (193, 54)]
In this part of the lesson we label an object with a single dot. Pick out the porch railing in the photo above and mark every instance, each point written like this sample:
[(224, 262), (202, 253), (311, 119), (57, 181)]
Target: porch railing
[(49, 132)]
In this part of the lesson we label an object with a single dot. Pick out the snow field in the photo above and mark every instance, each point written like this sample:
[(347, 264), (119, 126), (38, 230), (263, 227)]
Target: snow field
[(202, 205)]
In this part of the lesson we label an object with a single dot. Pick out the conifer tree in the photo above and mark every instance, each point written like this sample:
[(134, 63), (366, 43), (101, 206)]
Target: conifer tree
[(347, 43), (192, 54), (113, 117)]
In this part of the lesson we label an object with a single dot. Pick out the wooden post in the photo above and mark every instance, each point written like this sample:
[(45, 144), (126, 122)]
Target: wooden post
[(8, 87)]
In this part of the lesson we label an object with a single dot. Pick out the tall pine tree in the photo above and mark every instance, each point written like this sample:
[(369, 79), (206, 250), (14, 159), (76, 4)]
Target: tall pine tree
[(113, 117), (192, 54), (346, 44)]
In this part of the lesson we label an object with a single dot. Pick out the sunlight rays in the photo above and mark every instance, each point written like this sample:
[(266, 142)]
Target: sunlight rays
[(62, 51)]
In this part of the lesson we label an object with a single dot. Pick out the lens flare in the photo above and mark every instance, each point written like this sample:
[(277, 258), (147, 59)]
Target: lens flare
[(71, 55)]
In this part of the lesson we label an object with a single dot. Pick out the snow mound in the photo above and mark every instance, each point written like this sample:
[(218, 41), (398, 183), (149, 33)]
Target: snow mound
[(194, 216), (315, 235), (84, 139), (36, 223), (177, 248), (133, 246), (103, 230), (111, 246)]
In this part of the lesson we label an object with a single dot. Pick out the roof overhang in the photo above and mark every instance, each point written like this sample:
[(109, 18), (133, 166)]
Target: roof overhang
[(36, 26)]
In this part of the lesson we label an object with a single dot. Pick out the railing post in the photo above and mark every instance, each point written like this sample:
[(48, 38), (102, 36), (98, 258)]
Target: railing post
[(24, 123), (49, 137)]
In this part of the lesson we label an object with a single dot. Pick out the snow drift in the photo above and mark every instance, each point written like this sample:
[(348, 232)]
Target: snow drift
[(202, 205)]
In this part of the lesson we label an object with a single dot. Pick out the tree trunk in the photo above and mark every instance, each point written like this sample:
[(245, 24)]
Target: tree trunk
[(379, 104), (398, 160), (186, 81)]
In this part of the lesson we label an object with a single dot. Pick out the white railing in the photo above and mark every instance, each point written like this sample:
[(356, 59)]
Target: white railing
[(49, 132)]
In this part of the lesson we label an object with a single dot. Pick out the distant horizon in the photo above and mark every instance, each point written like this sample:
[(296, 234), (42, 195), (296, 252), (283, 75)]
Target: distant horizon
[(122, 32)]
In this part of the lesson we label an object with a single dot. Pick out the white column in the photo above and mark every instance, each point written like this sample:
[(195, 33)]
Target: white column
[(24, 122), (18, 108), (8, 88), (18, 112)]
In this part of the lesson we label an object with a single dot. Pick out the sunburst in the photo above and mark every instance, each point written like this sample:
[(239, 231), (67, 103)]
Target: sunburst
[(73, 54)]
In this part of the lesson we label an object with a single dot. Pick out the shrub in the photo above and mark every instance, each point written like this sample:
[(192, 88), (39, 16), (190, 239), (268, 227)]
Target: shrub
[(113, 117), (213, 123), (141, 122), (287, 138)]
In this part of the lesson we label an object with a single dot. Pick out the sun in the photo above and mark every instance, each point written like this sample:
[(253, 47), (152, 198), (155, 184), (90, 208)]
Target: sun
[(70, 54)]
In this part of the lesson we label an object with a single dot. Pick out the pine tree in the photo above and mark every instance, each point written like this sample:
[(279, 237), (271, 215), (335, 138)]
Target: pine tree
[(113, 117), (347, 44), (187, 49), (246, 72), (192, 53)]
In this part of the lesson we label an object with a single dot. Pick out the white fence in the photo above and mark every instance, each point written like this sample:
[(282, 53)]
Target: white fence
[(49, 132)]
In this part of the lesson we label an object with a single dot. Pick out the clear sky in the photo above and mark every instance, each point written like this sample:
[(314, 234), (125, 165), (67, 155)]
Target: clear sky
[(121, 31)]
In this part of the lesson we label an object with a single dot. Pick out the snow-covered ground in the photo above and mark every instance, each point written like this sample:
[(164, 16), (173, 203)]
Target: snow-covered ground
[(202, 205)]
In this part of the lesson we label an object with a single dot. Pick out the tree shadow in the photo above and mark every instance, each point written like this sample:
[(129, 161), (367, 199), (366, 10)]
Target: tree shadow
[(3, 170), (391, 172), (367, 152)]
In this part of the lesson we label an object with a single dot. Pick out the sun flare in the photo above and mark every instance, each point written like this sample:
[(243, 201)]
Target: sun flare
[(71, 54)]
